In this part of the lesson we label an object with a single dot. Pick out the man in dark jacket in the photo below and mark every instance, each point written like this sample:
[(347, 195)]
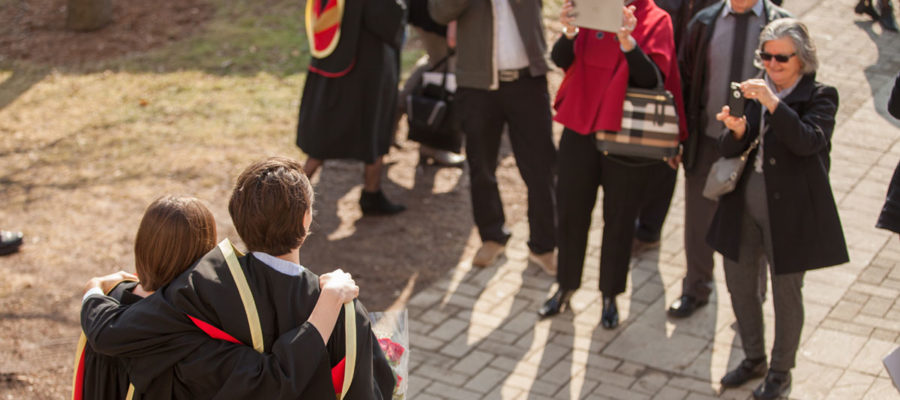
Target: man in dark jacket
[(501, 76), (709, 61)]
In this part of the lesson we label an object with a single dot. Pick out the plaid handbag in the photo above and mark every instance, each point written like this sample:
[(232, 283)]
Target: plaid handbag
[(649, 125)]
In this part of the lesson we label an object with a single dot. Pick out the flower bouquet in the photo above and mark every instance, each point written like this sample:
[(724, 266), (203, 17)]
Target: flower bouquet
[(392, 330)]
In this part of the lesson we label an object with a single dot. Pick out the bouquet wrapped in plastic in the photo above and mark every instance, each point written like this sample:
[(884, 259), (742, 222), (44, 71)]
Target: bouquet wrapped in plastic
[(392, 330)]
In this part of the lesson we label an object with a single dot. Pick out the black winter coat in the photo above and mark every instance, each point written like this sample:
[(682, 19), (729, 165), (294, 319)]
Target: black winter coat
[(692, 59), (806, 228)]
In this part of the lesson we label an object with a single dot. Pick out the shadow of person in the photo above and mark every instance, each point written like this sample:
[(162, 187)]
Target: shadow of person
[(413, 247), (882, 73), (647, 349), (479, 333)]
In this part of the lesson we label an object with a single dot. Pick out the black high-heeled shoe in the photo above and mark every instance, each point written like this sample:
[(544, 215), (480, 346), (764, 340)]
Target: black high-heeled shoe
[(556, 304), (610, 316)]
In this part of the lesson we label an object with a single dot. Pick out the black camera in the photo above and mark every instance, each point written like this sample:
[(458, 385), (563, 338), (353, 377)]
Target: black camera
[(736, 100)]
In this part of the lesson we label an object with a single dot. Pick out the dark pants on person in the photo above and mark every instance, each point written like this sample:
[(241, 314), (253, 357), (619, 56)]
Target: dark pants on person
[(698, 215), (627, 187), (648, 227), (523, 105), (576, 193), (743, 280)]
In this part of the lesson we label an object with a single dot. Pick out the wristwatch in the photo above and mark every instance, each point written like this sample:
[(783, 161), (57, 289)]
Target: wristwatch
[(570, 34)]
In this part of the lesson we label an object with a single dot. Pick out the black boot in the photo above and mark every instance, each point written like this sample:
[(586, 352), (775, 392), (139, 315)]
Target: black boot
[(887, 20), (865, 7), (610, 315), (556, 304), (374, 203)]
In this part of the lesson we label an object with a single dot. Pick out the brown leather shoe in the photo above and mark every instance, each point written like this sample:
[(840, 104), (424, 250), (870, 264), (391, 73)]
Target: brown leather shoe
[(547, 261), (488, 253)]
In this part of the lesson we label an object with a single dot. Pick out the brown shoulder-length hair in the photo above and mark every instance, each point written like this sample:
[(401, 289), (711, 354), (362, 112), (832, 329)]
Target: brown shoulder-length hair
[(174, 233), (268, 203)]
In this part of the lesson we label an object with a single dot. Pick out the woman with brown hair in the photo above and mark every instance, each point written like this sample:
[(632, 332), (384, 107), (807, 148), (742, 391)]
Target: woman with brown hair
[(174, 232)]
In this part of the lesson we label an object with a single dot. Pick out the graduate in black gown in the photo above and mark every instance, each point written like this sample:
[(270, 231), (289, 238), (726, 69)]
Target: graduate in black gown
[(166, 338), (349, 98), (98, 376), (187, 230)]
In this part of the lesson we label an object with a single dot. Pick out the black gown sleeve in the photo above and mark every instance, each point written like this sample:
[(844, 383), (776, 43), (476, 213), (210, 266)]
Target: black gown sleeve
[(386, 20), (153, 343)]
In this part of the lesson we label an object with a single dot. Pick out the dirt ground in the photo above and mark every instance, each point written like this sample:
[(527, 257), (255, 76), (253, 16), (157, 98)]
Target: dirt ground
[(78, 193)]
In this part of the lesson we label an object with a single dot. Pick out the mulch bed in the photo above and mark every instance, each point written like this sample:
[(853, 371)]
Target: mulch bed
[(35, 30)]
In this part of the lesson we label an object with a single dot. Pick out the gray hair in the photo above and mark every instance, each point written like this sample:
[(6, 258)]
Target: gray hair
[(799, 34)]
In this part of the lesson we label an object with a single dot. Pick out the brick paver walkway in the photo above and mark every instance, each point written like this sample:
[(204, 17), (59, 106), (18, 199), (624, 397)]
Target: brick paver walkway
[(475, 333)]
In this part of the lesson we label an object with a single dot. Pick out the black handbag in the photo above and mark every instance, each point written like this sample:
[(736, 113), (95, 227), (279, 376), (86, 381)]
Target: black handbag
[(649, 125), (429, 113)]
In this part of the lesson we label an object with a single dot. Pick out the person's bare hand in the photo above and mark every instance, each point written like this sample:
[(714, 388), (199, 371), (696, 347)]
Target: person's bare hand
[(339, 286), (567, 16), (674, 161), (108, 282), (737, 125), (757, 89), (451, 34), (629, 21)]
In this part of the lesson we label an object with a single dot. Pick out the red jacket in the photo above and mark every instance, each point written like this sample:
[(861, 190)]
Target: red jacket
[(591, 95)]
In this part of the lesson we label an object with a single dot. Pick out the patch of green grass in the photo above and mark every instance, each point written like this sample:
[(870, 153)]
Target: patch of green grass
[(243, 37)]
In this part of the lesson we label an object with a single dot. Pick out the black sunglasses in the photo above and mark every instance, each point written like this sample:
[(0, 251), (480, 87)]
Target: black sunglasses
[(782, 58)]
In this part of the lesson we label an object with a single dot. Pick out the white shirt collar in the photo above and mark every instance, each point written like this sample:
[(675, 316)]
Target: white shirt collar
[(283, 266), (756, 9)]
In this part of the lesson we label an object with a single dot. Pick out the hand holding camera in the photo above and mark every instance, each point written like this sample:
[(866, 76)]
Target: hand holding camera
[(736, 100), (757, 89)]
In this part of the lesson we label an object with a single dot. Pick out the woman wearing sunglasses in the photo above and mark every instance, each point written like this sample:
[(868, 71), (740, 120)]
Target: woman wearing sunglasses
[(783, 208)]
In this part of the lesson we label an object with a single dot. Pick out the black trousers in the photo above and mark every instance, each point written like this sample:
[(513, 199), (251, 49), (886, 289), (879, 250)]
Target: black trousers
[(628, 186), (524, 105), (648, 227)]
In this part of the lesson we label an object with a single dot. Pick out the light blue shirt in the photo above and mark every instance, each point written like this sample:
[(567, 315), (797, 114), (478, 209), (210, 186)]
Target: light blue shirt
[(283, 266)]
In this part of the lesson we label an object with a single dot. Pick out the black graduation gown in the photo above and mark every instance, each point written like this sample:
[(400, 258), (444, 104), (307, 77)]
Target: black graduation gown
[(348, 113), (105, 377), (168, 357)]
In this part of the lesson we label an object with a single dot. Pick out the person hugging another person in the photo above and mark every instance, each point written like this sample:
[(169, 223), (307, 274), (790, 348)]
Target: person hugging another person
[(600, 66), (782, 208), (249, 326), (186, 229)]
